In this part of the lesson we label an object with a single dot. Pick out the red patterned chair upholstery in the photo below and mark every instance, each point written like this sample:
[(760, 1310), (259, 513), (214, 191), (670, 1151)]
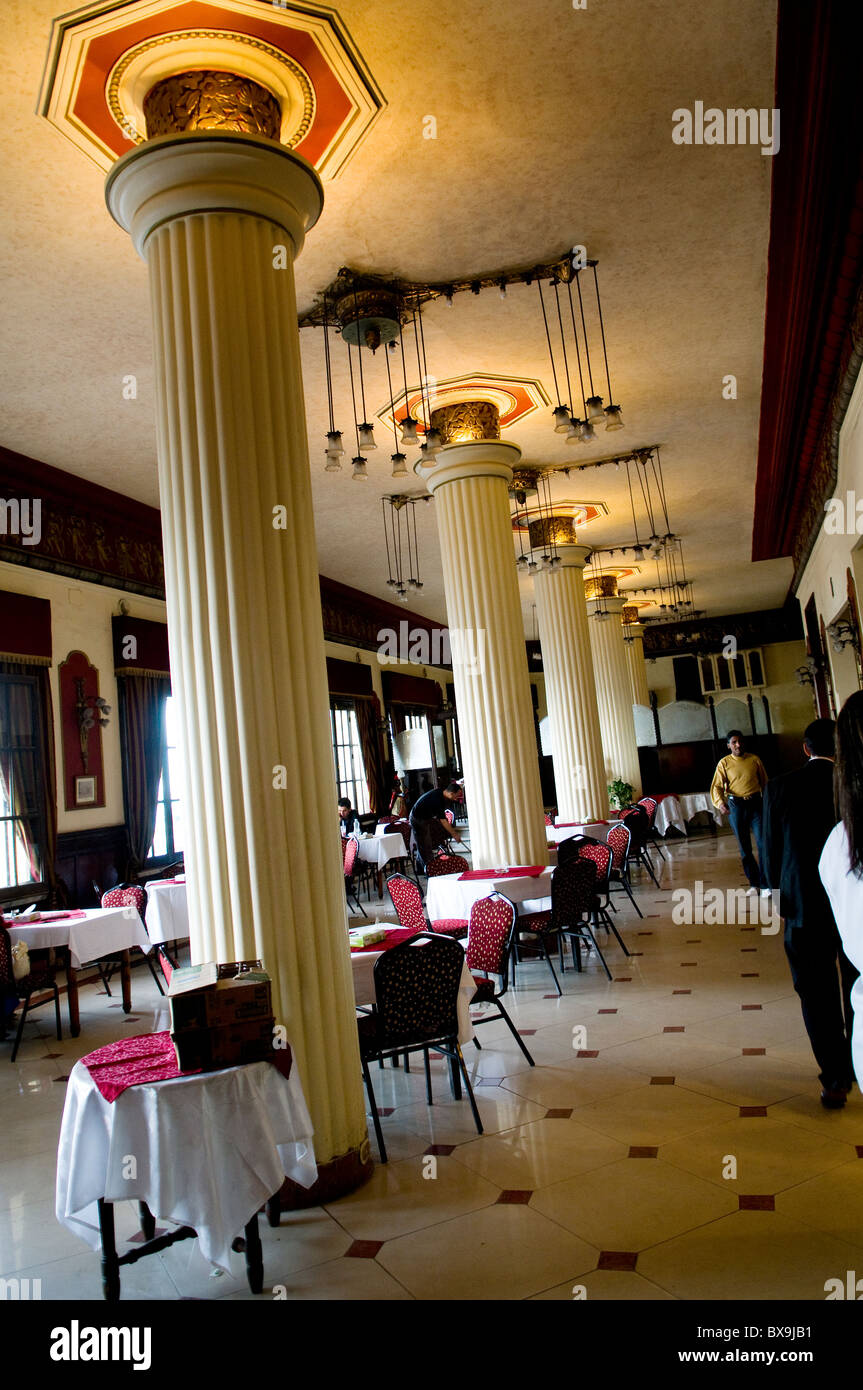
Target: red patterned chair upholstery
[(549, 818), (351, 849), (443, 864), (602, 857), (131, 895), (489, 942), (416, 988), (12, 992), (618, 840), (407, 900)]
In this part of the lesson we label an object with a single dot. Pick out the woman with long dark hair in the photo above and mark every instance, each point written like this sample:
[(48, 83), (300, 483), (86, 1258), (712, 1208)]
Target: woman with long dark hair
[(841, 864)]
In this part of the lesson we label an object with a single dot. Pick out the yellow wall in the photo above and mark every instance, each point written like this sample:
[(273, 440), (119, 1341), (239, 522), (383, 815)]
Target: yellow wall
[(791, 704)]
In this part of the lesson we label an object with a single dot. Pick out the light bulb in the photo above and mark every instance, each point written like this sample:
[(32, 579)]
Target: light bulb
[(522, 562), (434, 441), (409, 430), (334, 443), (574, 436), (560, 415), (333, 464), (360, 470), (613, 418), (427, 460), (400, 465), (594, 408), (367, 436), (588, 433)]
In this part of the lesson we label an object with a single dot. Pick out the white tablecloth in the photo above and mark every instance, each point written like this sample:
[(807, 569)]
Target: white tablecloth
[(167, 911), (669, 813), (691, 804), (380, 849), (209, 1150), (448, 896), (100, 932), (363, 967)]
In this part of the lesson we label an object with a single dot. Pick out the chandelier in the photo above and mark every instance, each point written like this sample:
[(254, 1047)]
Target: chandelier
[(400, 536)]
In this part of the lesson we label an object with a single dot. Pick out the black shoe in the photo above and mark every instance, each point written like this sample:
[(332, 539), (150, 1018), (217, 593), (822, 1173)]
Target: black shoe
[(834, 1098)]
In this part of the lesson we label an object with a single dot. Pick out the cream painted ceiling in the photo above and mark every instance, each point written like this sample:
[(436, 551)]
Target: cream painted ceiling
[(553, 128)]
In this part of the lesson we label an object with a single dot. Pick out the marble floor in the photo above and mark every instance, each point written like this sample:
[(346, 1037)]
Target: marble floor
[(668, 1144)]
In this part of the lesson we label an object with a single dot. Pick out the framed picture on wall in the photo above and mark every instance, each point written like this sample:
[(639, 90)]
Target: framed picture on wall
[(85, 791)]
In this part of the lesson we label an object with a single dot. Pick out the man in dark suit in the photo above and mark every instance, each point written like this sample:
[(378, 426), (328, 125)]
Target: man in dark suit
[(798, 817)]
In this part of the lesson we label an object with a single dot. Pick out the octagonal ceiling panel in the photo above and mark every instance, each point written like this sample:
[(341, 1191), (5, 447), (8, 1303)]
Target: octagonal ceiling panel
[(104, 58), (514, 397)]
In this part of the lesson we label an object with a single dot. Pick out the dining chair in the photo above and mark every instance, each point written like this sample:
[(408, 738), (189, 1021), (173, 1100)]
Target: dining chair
[(569, 848), (573, 893), (489, 944), (651, 806), (407, 900), (351, 849), (131, 895), (42, 975), (416, 990), (618, 840), (602, 856), (444, 864), (636, 819)]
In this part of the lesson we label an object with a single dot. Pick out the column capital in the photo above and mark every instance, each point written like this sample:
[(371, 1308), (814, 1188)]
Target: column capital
[(477, 458), (178, 175)]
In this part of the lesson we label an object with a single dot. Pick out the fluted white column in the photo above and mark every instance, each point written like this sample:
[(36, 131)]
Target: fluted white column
[(495, 713), (614, 693), (570, 690), (263, 869), (633, 642)]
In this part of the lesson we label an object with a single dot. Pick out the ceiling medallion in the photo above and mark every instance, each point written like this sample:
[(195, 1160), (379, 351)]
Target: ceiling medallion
[(154, 62), (211, 101)]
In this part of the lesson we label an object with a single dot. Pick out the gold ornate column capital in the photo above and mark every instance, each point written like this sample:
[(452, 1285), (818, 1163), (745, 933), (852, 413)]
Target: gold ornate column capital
[(211, 100)]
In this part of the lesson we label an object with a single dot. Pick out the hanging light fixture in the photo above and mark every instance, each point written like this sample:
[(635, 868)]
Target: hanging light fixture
[(593, 402), (360, 471), (613, 417), (561, 412), (335, 448), (400, 535), (397, 459)]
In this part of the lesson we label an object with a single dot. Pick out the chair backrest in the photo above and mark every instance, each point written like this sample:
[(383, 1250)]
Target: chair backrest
[(573, 889), (450, 815), (489, 936), (407, 900), (570, 847), (446, 864), (352, 849), (650, 804), (416, 988), (7, 974), (128, 895), (549, 818), (601, 856), (404, 829), (618, 840), (637, 821), (387, 820)]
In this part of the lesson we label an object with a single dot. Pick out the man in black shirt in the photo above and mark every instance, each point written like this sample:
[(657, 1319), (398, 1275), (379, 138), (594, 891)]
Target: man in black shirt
[(429, 825), (350, 821), (798, 817)]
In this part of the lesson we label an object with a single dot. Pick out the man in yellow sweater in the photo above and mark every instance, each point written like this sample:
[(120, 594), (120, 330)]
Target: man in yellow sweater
[(736, 791)]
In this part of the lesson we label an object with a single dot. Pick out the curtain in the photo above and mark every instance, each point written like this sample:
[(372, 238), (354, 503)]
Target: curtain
[(141, 708), (31, 779), (368, 715)]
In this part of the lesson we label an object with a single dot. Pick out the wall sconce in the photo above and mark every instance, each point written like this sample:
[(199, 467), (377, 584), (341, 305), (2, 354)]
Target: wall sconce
[(806, 674), (91, 712), (842, 635)]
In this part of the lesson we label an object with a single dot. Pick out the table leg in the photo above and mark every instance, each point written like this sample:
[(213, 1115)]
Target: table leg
[(274, 1211), (110, 1263), (254, 1256), (126, 981), (148, 1221), (72, 992)]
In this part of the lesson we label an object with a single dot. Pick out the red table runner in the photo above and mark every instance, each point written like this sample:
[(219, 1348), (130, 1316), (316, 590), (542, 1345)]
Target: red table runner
[(531, 871), (391, 939), (58, 916), (565, 824), (147, 1058)]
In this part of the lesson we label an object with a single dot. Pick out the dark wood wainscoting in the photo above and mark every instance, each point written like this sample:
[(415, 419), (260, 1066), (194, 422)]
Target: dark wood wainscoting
[(85, 856)]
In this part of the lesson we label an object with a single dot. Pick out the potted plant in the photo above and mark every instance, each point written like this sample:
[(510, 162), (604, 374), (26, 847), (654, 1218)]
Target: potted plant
[(620, 794)]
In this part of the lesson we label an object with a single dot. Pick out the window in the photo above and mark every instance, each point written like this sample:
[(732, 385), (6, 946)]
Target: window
[(347, 751), (22, 818), (744, 671), (169, 837)]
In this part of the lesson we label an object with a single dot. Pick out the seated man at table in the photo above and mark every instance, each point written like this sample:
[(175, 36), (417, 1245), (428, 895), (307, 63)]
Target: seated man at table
[(348, 818), (430, 828)]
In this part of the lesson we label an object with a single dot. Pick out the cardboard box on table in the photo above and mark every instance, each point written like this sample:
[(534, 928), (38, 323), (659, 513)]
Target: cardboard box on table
[(221, 1016)]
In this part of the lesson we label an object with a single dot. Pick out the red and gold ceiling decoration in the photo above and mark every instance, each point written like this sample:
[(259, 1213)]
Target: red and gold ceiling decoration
[(514, 397), (105, 58), (582, 513)]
